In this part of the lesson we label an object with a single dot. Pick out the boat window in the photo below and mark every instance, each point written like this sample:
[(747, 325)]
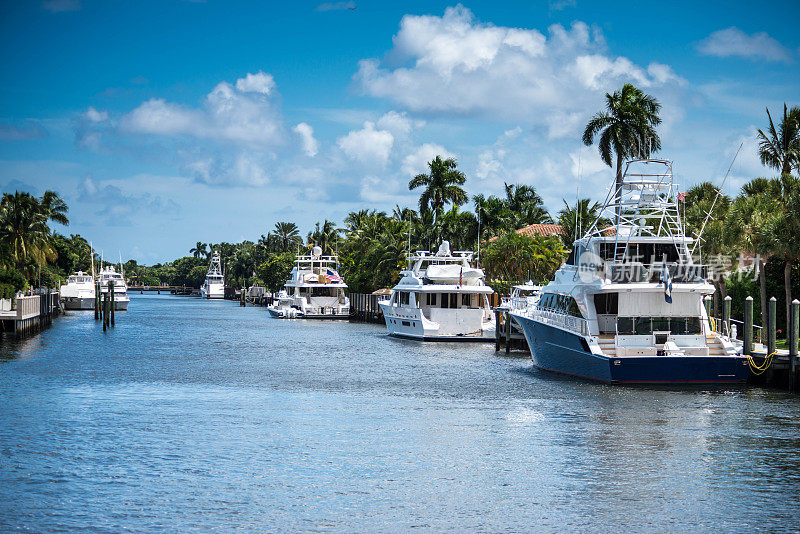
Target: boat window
[(430, 299), (606, 303), (661, 324), (445, 301), (404, 298), (454, 300), (643, 326), (466, 300), (625, 325), (693, 325), (417, 300)]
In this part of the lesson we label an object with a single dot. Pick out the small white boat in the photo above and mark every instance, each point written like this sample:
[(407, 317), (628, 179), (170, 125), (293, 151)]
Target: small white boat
[(522, 297), (440, 297), (214, 285), (314, 291), (121, 299), (78, 293)]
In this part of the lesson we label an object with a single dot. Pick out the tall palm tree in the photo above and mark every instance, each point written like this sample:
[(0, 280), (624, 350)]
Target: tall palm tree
[(289, 235), (575, 220), (779, 148), (54, 208), (198, 250), (325, 236), (526, 204), (628, 128), (442, 186), (494, 215), (24, 230)]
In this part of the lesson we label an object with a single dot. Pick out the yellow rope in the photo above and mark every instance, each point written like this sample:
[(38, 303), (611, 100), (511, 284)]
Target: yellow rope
[(756, 369)]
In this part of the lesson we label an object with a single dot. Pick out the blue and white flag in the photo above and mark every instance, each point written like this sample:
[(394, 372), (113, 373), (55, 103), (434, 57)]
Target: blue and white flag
[(667, 280)]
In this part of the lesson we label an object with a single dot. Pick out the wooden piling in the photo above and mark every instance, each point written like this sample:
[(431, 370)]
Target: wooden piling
[(748, 326), (771, 336), (508, 331), (105, 312), (97, 301), (497, 330), (112, 298), (794, 337), (726, 315)]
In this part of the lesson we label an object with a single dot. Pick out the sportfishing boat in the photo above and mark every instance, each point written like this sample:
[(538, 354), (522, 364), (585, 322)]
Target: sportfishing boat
[(78, 292), (440, 297), (214, 285), (109, 274), (627, 306), (314, 291)]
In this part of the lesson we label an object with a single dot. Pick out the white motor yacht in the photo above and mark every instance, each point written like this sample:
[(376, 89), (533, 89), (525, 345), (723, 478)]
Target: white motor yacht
[(121, 299), (78, 293), (440, 297), (314, 291), (214, 285)]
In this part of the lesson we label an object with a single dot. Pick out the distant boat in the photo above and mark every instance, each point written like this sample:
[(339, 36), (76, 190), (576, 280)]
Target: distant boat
[(523, 296), (627, 306), (214, 285), (314, 291), (440, 297), (121, 299), (78, 292)]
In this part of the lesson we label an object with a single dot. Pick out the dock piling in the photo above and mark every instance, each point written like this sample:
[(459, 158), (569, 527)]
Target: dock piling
[(748, 326), (111, 297), (508, 331), (726, 315), (97, 301), (771, 336), (794, 337)]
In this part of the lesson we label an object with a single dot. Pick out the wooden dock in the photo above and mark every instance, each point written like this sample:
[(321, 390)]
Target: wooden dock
[(27, 314), (364, 308), (508, 334)]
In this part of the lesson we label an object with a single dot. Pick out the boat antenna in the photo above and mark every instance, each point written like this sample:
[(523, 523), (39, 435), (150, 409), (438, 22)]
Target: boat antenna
[(478, 259), (121, 268), (91, 256), (408, 256), (578, 198), (719, 192)]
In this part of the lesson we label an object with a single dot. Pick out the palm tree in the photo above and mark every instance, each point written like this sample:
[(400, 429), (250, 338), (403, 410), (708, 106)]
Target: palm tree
[(780, 148), (494, 215), (24, 230), (288, 235), (578, 219), (54, 208), (198, 250), (325, 236), (628, 128), (526, 204), (442, 186)]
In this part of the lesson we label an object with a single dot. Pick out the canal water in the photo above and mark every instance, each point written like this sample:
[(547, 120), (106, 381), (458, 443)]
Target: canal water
[(193, 415)]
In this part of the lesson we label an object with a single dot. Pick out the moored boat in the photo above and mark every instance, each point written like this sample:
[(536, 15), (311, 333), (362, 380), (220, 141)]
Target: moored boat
[(314, 291), (121, 299), (627, 306), (79, 292), (214, 285), (440, 297)]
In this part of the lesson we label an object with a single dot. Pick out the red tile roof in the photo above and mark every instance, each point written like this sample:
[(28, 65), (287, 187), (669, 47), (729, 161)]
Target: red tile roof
[(542, 229)]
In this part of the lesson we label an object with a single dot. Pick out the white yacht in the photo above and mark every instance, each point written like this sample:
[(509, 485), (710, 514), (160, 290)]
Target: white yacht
[(522, 297), (214, 285), (440, 297), (121, 299), (627, 306), (314, 291), (78, 293)]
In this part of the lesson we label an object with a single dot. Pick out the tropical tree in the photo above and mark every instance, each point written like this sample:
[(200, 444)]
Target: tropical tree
[(494, 215), (442, 186), (325, 236), (24, 230), (460, 228), (526, 205), (628, 128), (288, 236), (198, 250), (515, 257), (53, 208), (779, 148), (577, 219)]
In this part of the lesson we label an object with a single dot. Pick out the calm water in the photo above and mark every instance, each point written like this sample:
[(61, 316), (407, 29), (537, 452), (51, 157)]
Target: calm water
[(199, 416)]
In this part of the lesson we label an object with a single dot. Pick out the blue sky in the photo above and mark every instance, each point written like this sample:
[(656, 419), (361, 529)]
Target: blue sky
[(164, 123)]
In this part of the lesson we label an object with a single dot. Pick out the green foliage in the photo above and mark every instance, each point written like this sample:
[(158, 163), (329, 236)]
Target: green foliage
[(276, 270), (521, 207), (442, 185), (578, 219), (519, 257), (11, 281)]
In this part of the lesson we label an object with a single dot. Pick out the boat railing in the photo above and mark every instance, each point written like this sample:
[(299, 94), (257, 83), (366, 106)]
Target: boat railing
[(520, 303), (570, 322)]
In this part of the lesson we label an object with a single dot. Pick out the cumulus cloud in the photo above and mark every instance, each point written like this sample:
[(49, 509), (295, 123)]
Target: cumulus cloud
[(368, 145), (238, 113), (118, 207), (243, 170), (456, 65), (93, 115), (306, 133), (259, 82), (733, 42), (417, 161)]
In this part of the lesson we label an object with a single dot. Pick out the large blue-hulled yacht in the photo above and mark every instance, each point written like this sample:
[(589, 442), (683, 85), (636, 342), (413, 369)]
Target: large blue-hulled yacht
[(627, 306)]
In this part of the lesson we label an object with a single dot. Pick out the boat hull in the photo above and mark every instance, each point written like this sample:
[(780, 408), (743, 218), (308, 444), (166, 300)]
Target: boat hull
[(560, 351), (78, 303), (212, 293), (410, 323)]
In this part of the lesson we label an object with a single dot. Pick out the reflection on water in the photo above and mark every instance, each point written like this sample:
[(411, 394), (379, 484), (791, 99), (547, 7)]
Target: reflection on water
[(193, 415)]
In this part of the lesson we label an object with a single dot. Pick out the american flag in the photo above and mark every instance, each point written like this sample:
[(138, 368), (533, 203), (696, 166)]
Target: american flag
[(681, 197), (331, 276)]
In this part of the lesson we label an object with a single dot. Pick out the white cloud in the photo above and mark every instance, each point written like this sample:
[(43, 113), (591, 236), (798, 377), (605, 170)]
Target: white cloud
[(456, 65), (417, 161), (240, 114), (398, 123), (306, 133), (94, 115), (734, 42), (336, 6), (368, 145), (259, 82), (244, 171), (59, 6)]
